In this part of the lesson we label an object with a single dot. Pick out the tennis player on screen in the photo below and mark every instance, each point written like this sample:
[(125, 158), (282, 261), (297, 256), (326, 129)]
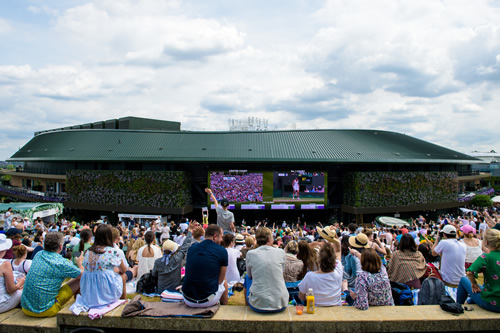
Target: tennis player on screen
[(296, 188)]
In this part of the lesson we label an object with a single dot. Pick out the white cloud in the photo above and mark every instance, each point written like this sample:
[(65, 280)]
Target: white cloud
[(426, 68), (141, 36), (5, 27)]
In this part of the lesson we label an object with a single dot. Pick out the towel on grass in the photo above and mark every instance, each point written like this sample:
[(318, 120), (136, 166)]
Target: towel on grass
[(171, 296)]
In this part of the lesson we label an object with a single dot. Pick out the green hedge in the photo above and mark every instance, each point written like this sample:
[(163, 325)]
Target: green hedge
[(386, 189), (161, 189)]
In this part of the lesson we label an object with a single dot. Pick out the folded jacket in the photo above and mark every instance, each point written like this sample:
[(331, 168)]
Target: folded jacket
[(137, 307)]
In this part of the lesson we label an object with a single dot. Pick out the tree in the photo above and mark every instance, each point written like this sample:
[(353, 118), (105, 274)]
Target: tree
[(482, 200), (10, 167)]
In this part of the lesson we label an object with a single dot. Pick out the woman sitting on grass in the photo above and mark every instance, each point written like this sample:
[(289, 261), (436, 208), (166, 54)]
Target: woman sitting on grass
[(326, 283), (487, 297), (372, 283), (167, 269), (104, 273)]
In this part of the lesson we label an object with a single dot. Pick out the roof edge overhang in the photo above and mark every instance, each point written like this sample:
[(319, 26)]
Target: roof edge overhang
[(248, 160)]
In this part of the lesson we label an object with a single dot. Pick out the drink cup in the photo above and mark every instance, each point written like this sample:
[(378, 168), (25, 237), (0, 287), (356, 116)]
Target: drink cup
[(299, 308)]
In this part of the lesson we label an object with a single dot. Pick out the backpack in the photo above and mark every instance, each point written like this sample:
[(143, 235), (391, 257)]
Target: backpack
[(146, 284), (431, 291), (401, 294), (242, 265), (447, 303)]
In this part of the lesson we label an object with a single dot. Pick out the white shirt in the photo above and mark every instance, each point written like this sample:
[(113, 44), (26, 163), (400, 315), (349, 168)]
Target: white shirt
[(327, 287), (183, 226), (121, 254), (8, 221), (482, 227), (75, 240), (179, 239), (452, 260), (232, 273)]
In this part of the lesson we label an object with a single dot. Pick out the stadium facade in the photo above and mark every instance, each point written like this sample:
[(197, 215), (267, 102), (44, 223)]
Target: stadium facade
[(137, 165)]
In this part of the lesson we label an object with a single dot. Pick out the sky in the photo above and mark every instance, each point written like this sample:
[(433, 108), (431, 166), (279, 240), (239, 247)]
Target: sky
[(427, 68)]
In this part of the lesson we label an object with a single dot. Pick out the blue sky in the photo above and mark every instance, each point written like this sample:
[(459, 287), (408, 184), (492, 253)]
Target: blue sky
[(430, 69)]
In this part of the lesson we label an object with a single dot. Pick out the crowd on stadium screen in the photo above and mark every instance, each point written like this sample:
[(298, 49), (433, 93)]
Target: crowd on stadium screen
[(245, 187), (275, 265)]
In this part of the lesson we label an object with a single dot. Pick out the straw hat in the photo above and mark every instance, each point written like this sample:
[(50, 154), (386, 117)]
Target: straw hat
[(240, 239), (359, 241), (169, 245), (328, 233), (5, 243)]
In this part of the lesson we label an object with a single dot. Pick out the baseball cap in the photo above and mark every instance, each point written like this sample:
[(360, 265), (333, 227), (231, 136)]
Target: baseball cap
[(467, 229), (449, 230)]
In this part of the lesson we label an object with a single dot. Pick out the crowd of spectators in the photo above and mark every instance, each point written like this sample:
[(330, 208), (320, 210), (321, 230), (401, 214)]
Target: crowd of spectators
[(342, 263)]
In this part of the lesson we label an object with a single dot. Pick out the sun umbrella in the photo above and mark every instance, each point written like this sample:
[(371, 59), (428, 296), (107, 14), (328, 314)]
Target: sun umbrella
[(389, 221)]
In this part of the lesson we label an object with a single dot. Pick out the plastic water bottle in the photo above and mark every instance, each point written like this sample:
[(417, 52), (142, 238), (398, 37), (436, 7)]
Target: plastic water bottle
[(310, 301)]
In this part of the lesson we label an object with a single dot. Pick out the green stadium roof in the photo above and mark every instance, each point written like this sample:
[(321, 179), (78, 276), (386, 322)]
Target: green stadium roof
[(344, 146)]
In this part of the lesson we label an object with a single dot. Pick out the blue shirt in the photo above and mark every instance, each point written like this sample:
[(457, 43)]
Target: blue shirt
[(203, 263), (47, 272)]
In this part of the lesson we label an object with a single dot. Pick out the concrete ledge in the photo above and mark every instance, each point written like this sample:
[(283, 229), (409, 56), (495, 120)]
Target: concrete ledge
[(16, 321), (331, 319)]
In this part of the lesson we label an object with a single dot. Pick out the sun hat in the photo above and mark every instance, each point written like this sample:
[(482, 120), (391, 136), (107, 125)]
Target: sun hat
[(449, 230), (5, 243), (468, 229), (328, 233), (359, 241), (240, 239), (170, 245)]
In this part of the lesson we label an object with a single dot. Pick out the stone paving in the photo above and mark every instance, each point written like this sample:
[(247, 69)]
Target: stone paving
[(241, 319)]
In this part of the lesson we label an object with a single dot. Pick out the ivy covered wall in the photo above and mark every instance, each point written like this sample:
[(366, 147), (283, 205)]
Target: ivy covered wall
[(386, 189), (159, 189)]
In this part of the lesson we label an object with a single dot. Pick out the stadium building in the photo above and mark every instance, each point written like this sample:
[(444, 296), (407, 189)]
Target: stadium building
[(148, 166)]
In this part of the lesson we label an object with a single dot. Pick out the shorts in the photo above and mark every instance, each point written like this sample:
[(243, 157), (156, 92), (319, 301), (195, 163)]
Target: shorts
[(64, 295), (129, 275), (214, 300)]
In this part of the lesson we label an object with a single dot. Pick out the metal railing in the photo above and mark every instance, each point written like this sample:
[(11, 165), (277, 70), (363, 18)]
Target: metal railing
[(47, 196)]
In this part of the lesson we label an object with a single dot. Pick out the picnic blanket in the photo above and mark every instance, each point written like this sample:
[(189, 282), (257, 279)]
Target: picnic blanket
[(138, 307)]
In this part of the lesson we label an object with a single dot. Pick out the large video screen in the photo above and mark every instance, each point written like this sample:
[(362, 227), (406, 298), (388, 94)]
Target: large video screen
[(291, 189)]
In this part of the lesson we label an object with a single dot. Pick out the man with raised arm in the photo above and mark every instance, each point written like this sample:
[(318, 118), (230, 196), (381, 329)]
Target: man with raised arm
[(225, 218)]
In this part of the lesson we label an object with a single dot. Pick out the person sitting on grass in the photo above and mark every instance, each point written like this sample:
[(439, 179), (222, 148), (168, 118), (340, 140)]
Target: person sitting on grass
[(102, 281), (10, 288), (372, 283), (167, 269), (43, 295), (487, 297), (206, 264), (326, 283), (265, 286)]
